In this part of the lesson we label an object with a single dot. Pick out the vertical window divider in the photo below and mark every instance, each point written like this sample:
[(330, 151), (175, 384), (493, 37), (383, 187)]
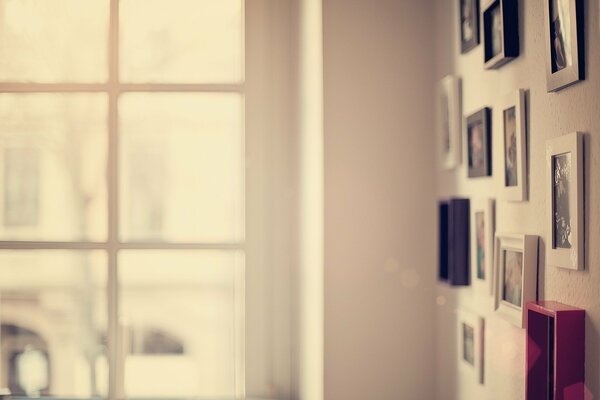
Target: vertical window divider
[(115, 380)]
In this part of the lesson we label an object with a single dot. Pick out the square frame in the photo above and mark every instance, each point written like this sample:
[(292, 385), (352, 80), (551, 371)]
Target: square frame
[(573, 257), (449, 120), (518, 192), (482, 117), (483, 287), (574, 73), (467, 45), (509, 16), (475, 371), (528, 246)]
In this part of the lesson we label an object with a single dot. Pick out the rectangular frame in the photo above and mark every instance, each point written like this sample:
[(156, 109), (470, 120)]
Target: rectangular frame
[(574, 73), (518, 192), (555, 351), (528, 245), (475, 371), (454, 242), (574, 257), (483, 287), (467, 45), (449, 120), (484, 117), (509, 15)]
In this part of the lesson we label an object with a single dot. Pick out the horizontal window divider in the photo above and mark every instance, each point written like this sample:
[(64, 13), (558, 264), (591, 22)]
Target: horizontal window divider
[(118, 87), (41, 245)]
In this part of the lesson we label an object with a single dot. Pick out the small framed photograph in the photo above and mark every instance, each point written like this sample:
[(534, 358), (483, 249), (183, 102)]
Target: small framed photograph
[(500, 32), (564, 201), (449, 121), (482, 245), (469, 24), (565, 63), (454, 242), (514, 147), (479, 143), (516, 276), (471, 330)]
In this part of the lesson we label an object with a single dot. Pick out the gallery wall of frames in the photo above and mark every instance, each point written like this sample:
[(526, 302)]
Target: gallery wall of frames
[(518, 128)]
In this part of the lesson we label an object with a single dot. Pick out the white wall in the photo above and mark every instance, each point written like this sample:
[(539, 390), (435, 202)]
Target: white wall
[(379, 200), (550, 115)]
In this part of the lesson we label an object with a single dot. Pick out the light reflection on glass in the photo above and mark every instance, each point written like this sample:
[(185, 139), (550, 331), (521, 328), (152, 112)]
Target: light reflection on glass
[(53, 151), (178, 314), (53, 323), (53, 41), (181, 41), (181, 167)]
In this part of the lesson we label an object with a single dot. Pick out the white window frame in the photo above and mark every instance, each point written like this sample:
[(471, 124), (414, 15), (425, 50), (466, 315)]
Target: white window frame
[(265, 298)]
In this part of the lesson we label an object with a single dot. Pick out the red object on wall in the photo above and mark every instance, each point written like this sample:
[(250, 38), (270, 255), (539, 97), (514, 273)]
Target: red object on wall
[(555, 354)]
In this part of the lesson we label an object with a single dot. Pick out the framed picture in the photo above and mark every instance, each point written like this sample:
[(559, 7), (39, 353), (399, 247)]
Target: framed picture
[(471, 330), (479, 143), (514, 147), (564, 201), (469, 24), (500, 32), (555, 351), (449, 121), (482, 245), (454, 242), (516, 276), (565, 63)]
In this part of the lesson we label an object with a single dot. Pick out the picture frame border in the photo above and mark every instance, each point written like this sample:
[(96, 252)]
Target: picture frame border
[(520, 192), (476, 372), (567, 76), (528, 245), (510, 32), (469, 45), (452, 86), (483, 288), (573, 258), (485, 116)]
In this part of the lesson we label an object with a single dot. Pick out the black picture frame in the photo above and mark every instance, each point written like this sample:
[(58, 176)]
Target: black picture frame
[(468, 11), (571, 67), (454, 255), (479, 144), (500, 20)]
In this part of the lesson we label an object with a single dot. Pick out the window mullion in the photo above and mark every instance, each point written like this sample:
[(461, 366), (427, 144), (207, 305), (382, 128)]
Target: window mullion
[(115, 390)]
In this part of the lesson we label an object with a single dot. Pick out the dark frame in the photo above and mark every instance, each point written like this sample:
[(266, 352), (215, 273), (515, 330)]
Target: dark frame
[(509, 15), (482, 117), (454, 242), (467, 45), (556, 80)]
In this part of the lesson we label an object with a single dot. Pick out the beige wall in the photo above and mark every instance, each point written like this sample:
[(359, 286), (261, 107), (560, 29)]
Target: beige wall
[(550, 115), (379, 200)]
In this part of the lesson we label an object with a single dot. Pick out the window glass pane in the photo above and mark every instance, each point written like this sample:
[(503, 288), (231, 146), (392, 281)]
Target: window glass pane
[(181, 40), (53, 40), (181, 167), (53, 166), (179, 315), (53, 323)]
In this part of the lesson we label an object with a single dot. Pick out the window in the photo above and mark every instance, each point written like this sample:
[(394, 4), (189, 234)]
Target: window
[(122, 212)]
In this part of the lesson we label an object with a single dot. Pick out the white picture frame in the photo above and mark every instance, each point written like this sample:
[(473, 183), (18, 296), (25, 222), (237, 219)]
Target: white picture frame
[(470, 334), (449, 121), (513, 151), (515, 285), (565, 217), (482, 245)]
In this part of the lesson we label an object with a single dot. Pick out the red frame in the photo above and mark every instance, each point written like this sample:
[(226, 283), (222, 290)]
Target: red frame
[(568, 343)]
